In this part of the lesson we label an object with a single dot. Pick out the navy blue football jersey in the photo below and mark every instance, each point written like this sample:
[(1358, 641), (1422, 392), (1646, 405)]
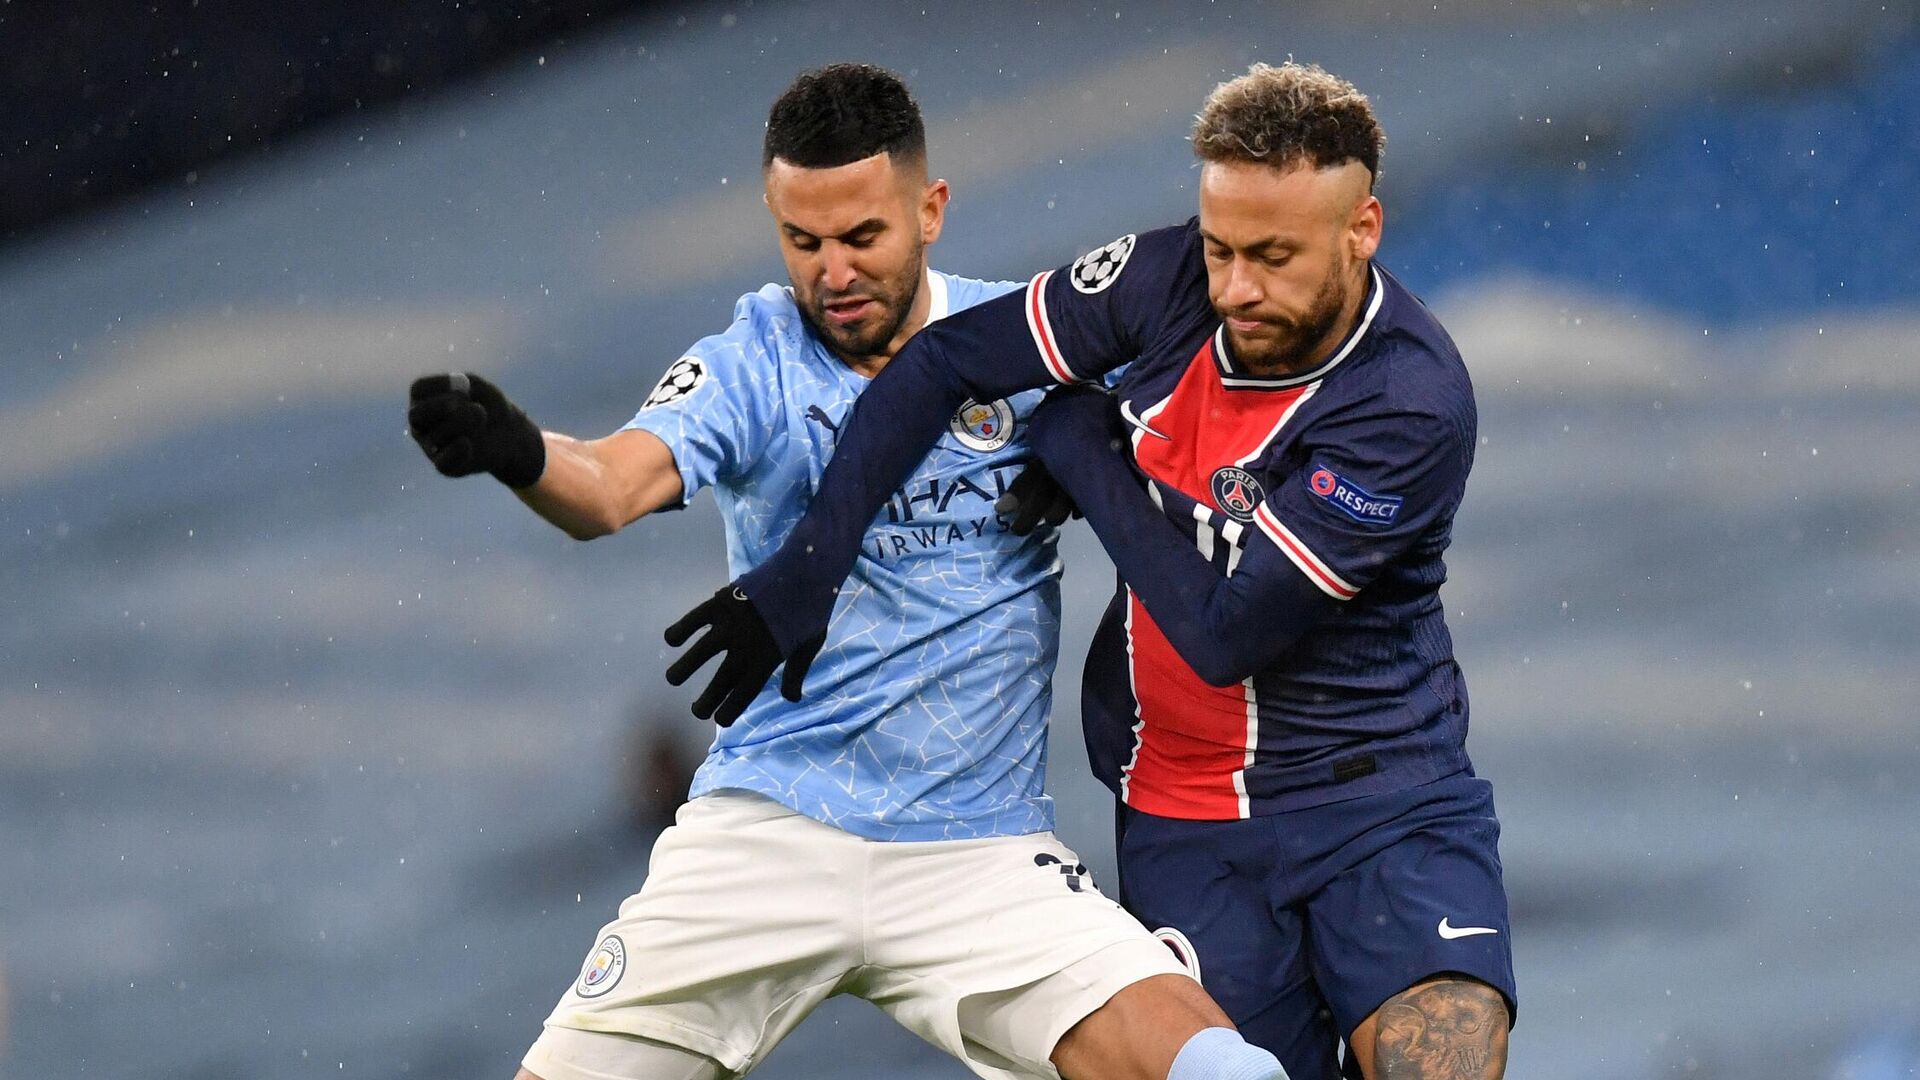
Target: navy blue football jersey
[(1276, 639)]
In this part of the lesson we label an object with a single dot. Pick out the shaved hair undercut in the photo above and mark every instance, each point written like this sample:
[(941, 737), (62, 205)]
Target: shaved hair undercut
[(1287, 116)]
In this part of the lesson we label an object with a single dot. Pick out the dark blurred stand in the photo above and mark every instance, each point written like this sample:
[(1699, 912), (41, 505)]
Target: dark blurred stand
[(100, 100)]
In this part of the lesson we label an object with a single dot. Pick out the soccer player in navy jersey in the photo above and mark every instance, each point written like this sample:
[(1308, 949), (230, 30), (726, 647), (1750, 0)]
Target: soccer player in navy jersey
[(1272, 694), (889, 837)]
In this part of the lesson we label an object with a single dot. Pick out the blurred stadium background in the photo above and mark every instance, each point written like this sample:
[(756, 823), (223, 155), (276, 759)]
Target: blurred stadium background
[(314, 764)]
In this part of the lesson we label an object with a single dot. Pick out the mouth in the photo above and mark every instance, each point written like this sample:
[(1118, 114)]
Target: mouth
[(850, 310), (1249, 326)]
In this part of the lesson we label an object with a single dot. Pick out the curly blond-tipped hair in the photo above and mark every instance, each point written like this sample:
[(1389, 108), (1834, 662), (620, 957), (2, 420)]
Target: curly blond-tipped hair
[(1287, 116)]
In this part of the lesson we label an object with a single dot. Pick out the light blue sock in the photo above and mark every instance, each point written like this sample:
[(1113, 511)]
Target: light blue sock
[(1219, 1053)]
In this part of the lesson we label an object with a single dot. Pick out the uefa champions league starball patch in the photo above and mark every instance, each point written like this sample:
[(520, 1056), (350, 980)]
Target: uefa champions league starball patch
[(603, 968), (1099, 268), (1237, 492), (983, 427), (683, 377)]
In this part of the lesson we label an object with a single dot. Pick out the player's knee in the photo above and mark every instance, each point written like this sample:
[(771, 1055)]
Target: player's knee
[(1139, 1031), (1453, 1022)]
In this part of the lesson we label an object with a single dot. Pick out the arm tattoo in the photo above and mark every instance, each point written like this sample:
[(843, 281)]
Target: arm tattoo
[(1447, 1030)]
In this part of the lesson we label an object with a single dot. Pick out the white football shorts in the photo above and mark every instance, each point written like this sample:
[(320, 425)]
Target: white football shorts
[(752, 915)]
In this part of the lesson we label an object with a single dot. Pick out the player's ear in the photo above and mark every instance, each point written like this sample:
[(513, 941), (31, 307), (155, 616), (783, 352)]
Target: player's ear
[(933, 210), (1363, 228)]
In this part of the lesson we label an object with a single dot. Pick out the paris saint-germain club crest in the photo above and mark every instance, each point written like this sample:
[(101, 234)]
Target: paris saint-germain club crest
[(603, 968), (1237, 492), (1098, 268), (983, 427)]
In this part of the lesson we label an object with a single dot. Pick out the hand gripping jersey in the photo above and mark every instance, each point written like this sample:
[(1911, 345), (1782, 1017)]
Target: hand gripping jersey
[(926, 711), (1277, 640)]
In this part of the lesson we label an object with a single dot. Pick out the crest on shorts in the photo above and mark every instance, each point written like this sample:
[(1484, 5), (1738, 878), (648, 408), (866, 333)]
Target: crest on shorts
[(1237, 492), (1098, 268), (683, 377), (603, 968), (983, 427)]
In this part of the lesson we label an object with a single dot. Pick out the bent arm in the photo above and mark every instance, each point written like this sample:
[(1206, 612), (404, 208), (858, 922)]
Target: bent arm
[(1225, 626), (593, 488)]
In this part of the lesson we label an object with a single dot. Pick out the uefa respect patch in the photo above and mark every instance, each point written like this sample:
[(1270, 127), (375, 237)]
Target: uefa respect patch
[(1353, 500)]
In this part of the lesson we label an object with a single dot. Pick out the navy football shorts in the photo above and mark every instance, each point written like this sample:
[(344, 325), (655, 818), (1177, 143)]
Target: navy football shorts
[(1302, 923)]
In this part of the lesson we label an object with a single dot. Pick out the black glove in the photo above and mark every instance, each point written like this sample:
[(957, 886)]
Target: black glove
[(735, 628), (1035, 498), (465, 425)]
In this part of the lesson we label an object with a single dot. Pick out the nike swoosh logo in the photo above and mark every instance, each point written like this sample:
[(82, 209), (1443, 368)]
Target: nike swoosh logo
[(1126, 413), (1451, 932)]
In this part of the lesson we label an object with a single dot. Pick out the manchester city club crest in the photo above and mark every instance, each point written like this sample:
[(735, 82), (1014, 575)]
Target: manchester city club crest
[(1237, 492), (603, 968), (983, 427)]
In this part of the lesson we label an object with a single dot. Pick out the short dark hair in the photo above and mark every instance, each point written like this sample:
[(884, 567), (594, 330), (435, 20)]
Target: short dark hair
[(1294, 114), (841, 114)]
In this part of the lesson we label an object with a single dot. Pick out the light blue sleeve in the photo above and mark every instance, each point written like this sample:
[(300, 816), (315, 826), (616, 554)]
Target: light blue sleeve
[(716, 407)]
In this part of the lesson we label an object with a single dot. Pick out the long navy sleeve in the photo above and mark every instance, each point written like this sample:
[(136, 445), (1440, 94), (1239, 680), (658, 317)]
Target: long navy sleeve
[(982, 353), (1067, 325)]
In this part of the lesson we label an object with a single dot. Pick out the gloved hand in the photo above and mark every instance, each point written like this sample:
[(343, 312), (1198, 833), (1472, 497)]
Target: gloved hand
[(1035, 498), (465, 425), (734, 627)]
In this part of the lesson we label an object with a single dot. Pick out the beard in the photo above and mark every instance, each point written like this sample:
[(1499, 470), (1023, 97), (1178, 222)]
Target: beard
[(870, 336), (1290, 344)]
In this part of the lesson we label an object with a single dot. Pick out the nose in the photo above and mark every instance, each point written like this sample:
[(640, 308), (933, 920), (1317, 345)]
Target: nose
[(1240, 290), (836, 268)]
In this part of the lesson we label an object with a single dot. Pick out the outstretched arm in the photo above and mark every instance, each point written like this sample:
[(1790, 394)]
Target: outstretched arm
[(1068, 325), (465, 425)]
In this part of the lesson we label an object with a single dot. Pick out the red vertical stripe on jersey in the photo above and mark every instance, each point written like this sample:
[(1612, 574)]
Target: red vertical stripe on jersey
[(1192, 738)]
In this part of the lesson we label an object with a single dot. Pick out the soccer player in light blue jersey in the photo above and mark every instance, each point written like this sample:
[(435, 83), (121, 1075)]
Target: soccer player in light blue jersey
[(889, 836)]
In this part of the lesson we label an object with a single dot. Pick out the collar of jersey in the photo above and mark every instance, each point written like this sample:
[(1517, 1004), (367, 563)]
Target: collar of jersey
[(1233, 375), (937, 302)]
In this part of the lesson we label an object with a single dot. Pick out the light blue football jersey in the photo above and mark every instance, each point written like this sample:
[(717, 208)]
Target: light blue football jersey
[(925, 713)]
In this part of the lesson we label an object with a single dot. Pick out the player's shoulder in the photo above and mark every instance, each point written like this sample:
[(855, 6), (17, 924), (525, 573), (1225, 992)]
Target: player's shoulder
[(1154, 253), (1417, 366), (766, 328), (961, 292), (768, 309)]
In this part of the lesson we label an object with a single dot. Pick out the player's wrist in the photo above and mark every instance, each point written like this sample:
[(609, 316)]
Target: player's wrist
[(521, 456)]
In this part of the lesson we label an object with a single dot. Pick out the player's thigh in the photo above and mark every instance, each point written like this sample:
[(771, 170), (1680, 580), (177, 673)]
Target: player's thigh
[(563, 1054), (1211, 891), (994, 949), (1429, 903), (748, 920)]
